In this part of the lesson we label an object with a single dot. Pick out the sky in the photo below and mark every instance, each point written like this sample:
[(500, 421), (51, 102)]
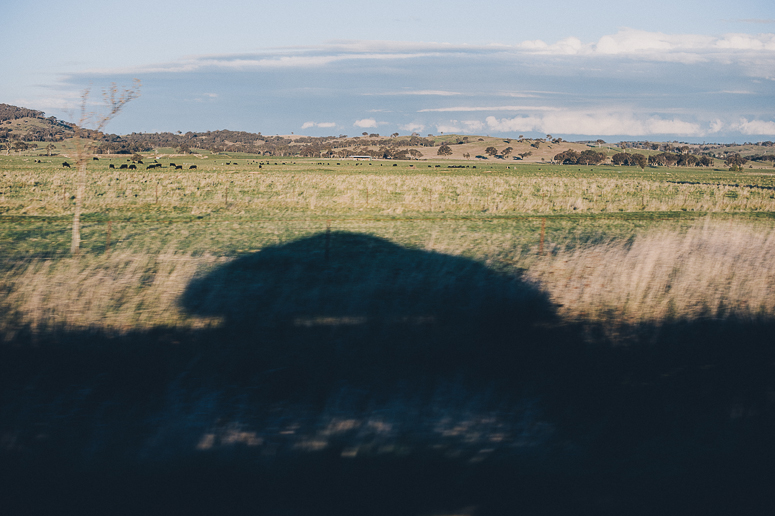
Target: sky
[(617, 70)]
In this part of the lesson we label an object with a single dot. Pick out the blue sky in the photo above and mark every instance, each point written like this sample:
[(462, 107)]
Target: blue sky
[(690, 70)]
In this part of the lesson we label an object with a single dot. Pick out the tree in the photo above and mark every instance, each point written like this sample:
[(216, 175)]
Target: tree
[(568, 157), (49, 148), (591, 157), (639, 159), (85, 143), (491, 151), (620, 158), (466, 155), (506, 152), (735, 162), (524, 155), (20, 146), (444, 150)]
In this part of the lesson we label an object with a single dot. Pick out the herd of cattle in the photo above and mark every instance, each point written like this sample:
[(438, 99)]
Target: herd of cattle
[(132, 166)]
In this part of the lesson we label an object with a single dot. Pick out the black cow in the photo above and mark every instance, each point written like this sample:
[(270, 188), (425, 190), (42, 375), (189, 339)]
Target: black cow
[(172, 165), (95, 158), (132, 167), (122, 167), (178, 167), (111, 166), (65, 164), (192, 167)]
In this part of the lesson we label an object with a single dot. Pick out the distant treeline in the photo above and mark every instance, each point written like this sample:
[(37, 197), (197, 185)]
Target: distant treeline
[(9, 112), (256, 143), (50, 129)]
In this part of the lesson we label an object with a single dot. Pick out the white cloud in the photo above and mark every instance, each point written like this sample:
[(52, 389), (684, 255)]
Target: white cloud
[(629, 43), (324, 125), (412, 127), (602, 124), (519, 94), (640, 44), (448, 127), (761, 127), (440, 93), (567, 46), (716, 126), (472, 126), (487, 108), (366, 122), (747, 42), (465, 126), (63, 102)]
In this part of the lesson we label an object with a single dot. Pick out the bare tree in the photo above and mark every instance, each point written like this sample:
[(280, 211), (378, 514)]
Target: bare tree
[(90, 125)]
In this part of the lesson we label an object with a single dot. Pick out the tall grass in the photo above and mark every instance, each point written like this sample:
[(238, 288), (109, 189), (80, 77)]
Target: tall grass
[(325, 193), (714, 270), (119, 292)]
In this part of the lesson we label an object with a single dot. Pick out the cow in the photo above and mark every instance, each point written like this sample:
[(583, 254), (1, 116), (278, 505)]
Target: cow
[(111, 166), (65, 164), (140, 162), (172, 165), (132, 167), (95, 158), (192, 167), (178, 167), (122, 167)]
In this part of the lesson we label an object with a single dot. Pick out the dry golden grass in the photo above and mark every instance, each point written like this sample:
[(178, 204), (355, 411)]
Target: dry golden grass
[(25, 192), (715, 270), (712, 270), (123, 292)]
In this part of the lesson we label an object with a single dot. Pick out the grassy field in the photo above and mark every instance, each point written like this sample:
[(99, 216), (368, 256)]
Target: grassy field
[(281, 335)]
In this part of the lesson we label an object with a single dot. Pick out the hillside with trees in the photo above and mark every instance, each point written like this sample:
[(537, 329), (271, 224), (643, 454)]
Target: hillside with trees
[(22, 129)]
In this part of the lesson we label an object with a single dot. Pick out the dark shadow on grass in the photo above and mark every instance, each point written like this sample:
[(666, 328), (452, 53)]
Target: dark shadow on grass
[(358, 308), (355, 376)]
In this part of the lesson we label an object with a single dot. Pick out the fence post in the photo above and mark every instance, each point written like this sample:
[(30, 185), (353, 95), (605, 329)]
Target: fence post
[(541, 245)]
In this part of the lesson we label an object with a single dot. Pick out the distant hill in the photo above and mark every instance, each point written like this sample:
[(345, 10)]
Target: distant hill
[(30, 125), (9, 112)]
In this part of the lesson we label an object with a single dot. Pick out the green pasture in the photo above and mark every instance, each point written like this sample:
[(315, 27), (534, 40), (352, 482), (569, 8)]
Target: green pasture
[(232, 204)]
